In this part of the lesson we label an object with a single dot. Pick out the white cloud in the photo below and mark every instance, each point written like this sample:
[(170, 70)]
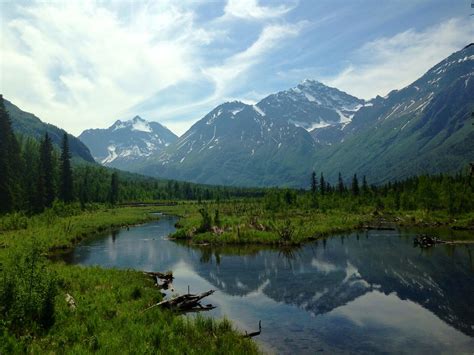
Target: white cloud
[(77, 64), (250, 9), (394, 62), (234, 67)]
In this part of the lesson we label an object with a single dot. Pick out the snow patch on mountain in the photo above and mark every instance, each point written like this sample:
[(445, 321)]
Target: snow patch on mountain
[(141, 125), (258, 110)]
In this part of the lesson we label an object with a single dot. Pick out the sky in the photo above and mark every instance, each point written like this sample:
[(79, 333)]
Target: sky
[(85, 64)]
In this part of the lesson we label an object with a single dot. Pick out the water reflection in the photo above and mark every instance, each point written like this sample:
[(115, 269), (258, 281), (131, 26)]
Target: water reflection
[(364, 292)]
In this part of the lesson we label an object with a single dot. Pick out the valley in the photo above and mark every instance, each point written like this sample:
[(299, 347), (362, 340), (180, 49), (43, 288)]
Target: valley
[(236, 177)]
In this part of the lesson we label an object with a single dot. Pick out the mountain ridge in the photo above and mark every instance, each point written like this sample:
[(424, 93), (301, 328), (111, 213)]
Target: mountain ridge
[(125, 142), (28, 124)]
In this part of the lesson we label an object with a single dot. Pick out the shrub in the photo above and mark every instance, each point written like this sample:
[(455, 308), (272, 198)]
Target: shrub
[(27, 292)]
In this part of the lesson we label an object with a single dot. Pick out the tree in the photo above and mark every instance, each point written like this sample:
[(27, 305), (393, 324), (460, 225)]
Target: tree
[(365, 186), (45, 189), (217, 218), (66, 181), (314, 183), (355, 185), (340, 185), (322, 184), (8, 149), (114, 189)]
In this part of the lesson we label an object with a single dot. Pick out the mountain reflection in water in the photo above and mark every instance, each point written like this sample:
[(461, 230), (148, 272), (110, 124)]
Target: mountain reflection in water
[(363, 292)]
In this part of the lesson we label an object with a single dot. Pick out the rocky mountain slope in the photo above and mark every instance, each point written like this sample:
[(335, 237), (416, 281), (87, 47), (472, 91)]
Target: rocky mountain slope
[(266, 144), (422, 128)]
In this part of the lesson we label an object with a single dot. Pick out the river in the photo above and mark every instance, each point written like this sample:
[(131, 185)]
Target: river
[(365, 292)]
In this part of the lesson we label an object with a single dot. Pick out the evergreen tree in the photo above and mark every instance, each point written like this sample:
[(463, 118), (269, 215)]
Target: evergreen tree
[(9, 149), (340, 185), (322, 184), (314, 183), (114, 189), (66, 181), (355, 185), (365, 187), (45, 191)]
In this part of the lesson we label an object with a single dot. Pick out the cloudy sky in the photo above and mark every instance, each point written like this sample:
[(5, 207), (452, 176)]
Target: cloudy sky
[(85, 64)]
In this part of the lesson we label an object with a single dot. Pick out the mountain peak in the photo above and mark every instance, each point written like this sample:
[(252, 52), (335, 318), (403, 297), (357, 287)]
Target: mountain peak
[(311, 82), (138, 118)]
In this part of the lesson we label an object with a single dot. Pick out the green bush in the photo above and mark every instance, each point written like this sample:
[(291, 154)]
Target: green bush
[(27, 293)]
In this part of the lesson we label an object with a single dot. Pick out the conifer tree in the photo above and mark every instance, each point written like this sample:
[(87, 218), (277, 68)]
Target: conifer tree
[(45, 191), (322, 184), (340, 185), (66, 182), (314, 183), (365, 187), (114, 189), (355, 185), (7, 147)]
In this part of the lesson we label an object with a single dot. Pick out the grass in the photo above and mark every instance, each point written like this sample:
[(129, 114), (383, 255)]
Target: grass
[(249, 222), (109, 316)]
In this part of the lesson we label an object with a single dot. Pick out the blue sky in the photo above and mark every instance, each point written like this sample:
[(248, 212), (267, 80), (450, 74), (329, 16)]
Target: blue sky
[(85, 64)]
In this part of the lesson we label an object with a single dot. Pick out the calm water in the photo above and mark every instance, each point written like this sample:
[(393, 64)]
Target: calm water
[(361, 293)]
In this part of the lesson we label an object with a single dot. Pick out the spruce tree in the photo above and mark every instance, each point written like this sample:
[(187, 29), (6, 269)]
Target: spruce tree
[(314, 183), (365, 187), (340, 185), (355, 185), (322, 184), (46, 173), (114, 189), (66, 183), (7, 173)]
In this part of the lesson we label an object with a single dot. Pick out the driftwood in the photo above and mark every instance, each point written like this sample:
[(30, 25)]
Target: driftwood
[(254, 334), (185, 303), (426, 241), (162, 280)]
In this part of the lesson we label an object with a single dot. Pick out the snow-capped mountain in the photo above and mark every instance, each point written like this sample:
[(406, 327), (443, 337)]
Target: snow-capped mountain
[(234, 144), (281, 139), (422, 128), (312, 105), (126, 142)]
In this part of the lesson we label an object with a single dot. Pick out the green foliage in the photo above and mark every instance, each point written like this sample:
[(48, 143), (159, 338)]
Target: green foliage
[(27, 292), (114, 188), (217, 218), (10, 163), (66, 182), (206, 220)]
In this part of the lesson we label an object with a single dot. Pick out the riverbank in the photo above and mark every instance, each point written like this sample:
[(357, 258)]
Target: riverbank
[(251, 223), (106, 314)]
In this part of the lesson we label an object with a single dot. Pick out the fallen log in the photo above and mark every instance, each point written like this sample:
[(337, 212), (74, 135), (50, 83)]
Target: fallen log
[(185, 303), (254, 334)]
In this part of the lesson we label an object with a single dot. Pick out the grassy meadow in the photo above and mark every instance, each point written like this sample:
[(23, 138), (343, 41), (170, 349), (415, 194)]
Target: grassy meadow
[(107, 316)]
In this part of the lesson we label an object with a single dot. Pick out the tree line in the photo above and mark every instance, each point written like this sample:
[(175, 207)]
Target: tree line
[(34, 175)]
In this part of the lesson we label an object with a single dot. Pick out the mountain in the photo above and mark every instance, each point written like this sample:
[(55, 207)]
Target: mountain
[(126, 142), (27, 124), (237, 144), (422, 128), (266, 144), (312, 105)]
